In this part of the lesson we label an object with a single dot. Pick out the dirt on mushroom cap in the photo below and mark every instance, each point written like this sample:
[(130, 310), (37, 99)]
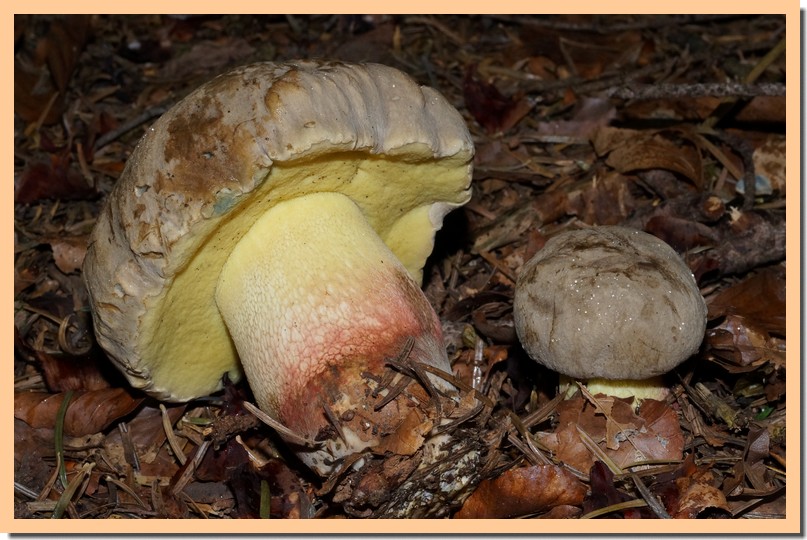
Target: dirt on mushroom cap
[(228, 152), (608, 302)]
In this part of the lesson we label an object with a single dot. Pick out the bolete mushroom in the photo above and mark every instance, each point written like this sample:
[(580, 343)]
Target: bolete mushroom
[(613, 306), (278, 219)]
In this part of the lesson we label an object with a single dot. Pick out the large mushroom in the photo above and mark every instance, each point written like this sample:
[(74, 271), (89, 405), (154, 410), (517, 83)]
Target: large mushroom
[(277, 221), (612, 306)]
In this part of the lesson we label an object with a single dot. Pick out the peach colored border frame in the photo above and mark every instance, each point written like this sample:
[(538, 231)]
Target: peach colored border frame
[(792, 524)]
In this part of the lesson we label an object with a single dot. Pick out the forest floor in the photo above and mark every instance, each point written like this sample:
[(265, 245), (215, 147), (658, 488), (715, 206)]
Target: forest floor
[(674, 125)]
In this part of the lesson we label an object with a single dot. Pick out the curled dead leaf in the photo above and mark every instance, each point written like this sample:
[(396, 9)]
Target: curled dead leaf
[(696, 496), (494, 112), (607, 200), (523, 491), (68, 253), (409, 437), (631, 150), (760, 299), (739, 344), (625, 436), (88, 412)]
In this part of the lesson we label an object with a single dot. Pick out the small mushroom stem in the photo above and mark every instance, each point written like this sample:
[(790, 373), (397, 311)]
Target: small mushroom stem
[(653, 388), (314, 302)]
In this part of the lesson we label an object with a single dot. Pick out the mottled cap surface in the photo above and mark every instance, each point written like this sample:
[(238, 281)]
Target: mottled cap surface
[(608, 302), (227, 153)]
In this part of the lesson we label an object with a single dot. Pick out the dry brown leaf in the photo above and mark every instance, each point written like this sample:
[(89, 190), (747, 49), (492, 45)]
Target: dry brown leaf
[(147, 436), (40, 81), (494, 112), (68, 253), (64, 372), (696, 495), (207, 57), (630, 150), (523, 491), (763, 109), (682, 234), (738, 343), (760, 299), (626, 437), (58, 179), (592, 114), (87, 413), (607, 200), (408, 437)]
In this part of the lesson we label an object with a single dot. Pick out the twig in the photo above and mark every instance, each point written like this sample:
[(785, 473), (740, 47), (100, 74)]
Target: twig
[(611, 79), (393, 392), (440, 27), (609, 26), (173, 442), (598, 452), (635, 503), (652, 501), (728, 104), (282, 430), (666, 91), (59, 436), (190, 469), (333, 419), (71, 489), (129, 125), (538, 416)]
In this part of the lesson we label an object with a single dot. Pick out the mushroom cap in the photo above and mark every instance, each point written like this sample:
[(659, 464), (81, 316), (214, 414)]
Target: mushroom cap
[(226, 154), (608, 302)]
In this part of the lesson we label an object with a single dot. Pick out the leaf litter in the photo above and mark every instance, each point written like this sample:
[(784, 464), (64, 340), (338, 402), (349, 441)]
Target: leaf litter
[(589, 121)]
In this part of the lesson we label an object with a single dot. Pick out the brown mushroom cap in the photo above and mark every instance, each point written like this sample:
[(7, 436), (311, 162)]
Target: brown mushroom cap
[(231, 150), (608, 302)]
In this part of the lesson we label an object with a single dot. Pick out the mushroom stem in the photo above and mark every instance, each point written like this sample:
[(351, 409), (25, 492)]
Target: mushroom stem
[(639, 390), (314, 301)]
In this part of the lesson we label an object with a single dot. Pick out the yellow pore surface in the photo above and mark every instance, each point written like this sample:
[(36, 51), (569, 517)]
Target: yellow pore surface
[(183, 337)]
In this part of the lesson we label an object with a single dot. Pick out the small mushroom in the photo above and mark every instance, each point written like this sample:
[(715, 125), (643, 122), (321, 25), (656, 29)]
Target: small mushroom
[(613, 306), (275, 223)]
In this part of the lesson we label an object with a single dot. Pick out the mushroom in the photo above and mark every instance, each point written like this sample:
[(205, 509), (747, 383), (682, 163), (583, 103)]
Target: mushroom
[(275, 223), (613, 306)]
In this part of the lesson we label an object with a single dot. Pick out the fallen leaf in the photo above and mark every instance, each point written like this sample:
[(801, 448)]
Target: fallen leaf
[(681, 234), (523, 491), (374, 45), (764, 109), (147, 436), (603, 492), (41, 77), (592, 113), (760, 299), (206, 57), (56, 179), (606, 200), (68, 253), (697, 494), (64, 372), (629, 151), (750, 239), (739, 343), (625, 436), (408, 437), (87, 413), (770, 166), (494, 112)]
